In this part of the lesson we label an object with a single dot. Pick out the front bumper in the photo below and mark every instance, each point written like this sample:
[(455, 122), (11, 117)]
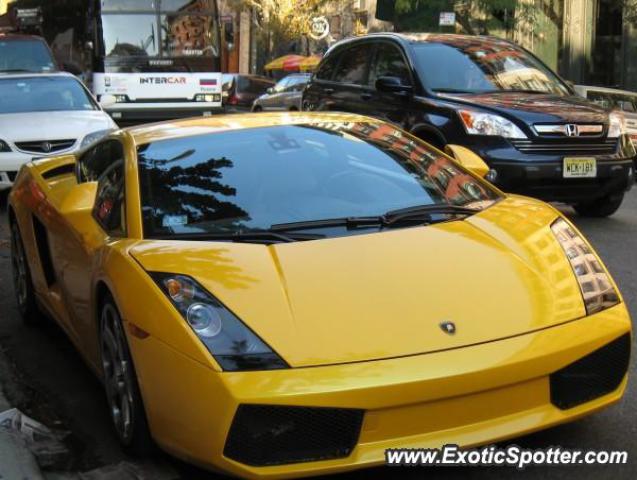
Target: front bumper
[(540, 175), (139, 111), (10, 164), (468, 396)]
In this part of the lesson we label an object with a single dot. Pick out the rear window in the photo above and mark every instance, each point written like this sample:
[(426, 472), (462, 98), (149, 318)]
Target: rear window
[(25, 56)]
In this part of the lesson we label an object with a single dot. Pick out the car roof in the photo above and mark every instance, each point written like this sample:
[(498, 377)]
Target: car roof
[(415, 38), (144, 134), (15, 37), (36, 74), (589, 88)]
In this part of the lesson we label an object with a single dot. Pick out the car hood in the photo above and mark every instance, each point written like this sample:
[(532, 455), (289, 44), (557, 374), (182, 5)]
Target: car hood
[(21, 127), (538, 108), (495, 275)]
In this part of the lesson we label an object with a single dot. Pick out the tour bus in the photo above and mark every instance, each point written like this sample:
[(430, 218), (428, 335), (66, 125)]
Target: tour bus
[(156, 58), (143, 59)]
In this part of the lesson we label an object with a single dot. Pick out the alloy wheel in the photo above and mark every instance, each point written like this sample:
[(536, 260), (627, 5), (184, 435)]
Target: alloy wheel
[(18, 267), (117, 372)]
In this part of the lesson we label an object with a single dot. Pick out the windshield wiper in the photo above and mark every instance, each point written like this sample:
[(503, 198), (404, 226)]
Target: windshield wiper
[(539, 92), (418, 213), (453, 90), (18, 70), (258, 236)]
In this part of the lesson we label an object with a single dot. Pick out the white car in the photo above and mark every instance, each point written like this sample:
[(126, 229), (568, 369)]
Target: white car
[(45, 115)]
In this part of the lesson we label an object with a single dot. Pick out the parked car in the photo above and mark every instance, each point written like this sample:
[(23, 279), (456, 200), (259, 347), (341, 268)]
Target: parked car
[(492, 96), (285, 95), (43, 115), (618, 99), (233, 281), (239, 91), (25, 53)]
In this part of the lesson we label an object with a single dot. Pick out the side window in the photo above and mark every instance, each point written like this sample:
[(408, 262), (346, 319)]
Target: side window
[(354, 64), (390, 63), (110, 206), (328, 65), (96, 160)]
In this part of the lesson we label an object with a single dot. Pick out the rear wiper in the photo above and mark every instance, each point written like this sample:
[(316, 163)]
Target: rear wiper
[(259, 236)]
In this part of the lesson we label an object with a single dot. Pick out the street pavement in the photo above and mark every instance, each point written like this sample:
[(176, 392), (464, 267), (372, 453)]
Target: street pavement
[(42, 375)]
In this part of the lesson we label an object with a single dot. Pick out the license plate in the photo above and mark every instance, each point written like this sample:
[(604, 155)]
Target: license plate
[(580, 167)]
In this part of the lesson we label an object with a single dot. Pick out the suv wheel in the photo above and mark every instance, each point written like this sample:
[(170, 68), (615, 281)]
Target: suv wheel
[(603, 207)]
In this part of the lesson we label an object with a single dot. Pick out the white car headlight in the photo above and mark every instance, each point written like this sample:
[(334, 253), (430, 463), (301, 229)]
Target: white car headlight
[(617, 125), (482, 123), (94, 137), (596, 287)]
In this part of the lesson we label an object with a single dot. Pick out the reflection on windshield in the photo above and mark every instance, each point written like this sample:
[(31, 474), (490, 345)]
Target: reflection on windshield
[(26, 55), (42, 94), (130, 35), (465, 64), (254, 178)]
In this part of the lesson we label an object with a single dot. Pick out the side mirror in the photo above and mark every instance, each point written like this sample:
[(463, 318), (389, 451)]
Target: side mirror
[(107, 101), (270, 90), (392, 85), (79, 199), (468, 159)]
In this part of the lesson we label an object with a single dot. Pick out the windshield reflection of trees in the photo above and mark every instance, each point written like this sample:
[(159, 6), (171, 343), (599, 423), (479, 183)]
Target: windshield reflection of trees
[(188, 190)]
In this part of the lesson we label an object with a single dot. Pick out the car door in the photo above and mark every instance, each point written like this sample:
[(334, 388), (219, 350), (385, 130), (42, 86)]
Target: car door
[(390, 61), (319, 93), (83, 242), (274, 100), (352, 92)]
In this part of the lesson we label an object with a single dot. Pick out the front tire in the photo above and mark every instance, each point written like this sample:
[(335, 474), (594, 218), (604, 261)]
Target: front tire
[(257, 108), (603, 207), (22, 283), (120, 382)]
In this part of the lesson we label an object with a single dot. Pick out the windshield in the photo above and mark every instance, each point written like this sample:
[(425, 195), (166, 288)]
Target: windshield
[(471, 65), (167, 36), (43, 94), (25, 55), (255, 178)]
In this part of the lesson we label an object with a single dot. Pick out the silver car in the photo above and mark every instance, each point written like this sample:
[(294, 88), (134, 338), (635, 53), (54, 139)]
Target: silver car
[(285, 95), (618, 99)]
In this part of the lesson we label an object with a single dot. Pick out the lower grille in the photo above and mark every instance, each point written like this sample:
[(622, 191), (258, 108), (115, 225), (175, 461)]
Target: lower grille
[(582, 147), (45, 146), (263, 435), (592, 376)]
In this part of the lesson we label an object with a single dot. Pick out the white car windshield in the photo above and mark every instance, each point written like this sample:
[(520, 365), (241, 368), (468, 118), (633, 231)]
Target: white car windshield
[(43, 94)]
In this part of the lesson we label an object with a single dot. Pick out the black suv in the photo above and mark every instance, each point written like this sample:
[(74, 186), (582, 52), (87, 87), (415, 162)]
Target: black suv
[(493, 97)]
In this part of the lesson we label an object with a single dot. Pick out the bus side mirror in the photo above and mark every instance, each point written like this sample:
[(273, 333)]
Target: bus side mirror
[(107, 101)]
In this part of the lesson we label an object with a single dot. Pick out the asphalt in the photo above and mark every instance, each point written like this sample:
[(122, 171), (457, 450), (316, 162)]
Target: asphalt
[(41, 374)]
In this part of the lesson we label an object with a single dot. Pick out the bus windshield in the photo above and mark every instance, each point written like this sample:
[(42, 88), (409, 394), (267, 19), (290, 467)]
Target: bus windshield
[(160, 35)]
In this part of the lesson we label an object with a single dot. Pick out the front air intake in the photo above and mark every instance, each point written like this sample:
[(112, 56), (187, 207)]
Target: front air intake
[(592, 376), (263, 435)]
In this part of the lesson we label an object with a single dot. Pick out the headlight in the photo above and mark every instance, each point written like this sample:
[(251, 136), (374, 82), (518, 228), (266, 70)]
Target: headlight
[(94, 137), (233, 345), (481, 123), (617, 125), (597, 290), (4, 146)]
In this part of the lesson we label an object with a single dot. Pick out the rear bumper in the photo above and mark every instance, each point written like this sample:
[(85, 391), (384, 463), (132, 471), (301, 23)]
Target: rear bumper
[(467, 396)]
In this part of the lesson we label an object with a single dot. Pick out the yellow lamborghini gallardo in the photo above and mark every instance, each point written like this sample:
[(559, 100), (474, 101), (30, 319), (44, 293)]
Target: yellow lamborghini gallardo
[(280, 295)]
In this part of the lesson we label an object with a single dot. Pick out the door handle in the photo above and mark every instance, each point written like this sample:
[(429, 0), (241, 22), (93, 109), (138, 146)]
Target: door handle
[(366, 96)]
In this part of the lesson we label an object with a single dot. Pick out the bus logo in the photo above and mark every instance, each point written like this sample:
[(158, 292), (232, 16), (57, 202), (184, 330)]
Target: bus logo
[(162, 80)]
